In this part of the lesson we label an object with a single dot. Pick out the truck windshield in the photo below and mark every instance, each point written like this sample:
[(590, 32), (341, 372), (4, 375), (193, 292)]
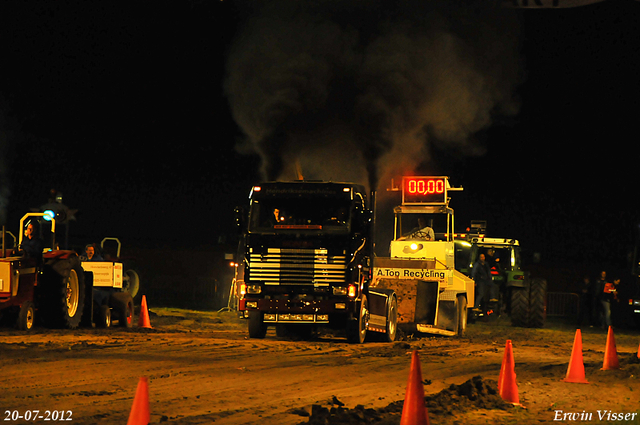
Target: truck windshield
[(313, 215)]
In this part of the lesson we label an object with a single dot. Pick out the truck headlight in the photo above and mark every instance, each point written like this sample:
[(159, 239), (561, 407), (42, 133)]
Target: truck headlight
[(254, 289), (339, 290)]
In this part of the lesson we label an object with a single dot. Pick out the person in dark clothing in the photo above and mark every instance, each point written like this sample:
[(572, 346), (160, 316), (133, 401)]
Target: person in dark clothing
[(585, 310), (604, 296), (482, 276), (32, 246), (90, 253)]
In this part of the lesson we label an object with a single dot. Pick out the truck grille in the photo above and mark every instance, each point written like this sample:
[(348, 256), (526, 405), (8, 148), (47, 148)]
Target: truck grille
[(297, 267)]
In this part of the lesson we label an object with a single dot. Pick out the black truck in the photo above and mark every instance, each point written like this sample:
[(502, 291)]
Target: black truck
[(306, 256)]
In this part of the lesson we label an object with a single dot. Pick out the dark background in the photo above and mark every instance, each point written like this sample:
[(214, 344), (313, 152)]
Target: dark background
[(120, 106)]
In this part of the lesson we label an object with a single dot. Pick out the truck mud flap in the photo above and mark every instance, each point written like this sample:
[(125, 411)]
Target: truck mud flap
[(426, 302), (378, 309)]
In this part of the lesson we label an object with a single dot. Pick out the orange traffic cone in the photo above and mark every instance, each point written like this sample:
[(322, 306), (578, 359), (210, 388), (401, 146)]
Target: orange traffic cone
[(140, 414), (507, 386), (143, 321), (414, 411), (575, 372), (610, 353)]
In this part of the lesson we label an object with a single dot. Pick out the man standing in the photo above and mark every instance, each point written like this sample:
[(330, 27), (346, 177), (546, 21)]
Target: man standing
[(482, 276), (604, 295)]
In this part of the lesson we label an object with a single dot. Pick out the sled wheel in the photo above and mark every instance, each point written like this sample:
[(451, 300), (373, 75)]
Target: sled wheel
[(392, 319), (461, 312)]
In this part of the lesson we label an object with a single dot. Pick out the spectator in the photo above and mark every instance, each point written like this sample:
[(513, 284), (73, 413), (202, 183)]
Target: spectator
[(90, 253), (604, 294), (482, 276), (585, 310)]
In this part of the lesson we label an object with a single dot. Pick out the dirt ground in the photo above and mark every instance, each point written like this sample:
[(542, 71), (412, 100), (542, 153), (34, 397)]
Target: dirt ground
[(202, 368)]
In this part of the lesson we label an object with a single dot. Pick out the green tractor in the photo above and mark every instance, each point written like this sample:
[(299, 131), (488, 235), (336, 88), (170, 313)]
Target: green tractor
[(521, 297)]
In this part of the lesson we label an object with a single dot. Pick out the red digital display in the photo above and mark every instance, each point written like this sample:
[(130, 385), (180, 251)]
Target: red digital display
[(424, 190)]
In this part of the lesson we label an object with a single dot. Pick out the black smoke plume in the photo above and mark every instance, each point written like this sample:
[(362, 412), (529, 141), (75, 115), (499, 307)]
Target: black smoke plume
[(356, 90)]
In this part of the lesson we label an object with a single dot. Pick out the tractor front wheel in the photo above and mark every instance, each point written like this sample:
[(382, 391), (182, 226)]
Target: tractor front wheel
[(26, 316)]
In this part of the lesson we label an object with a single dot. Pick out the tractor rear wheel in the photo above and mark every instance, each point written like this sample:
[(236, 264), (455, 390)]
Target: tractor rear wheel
[(520, 306), (537, 303), (61, 295)]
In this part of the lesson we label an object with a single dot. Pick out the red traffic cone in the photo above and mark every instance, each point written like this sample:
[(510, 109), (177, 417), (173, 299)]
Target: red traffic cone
[(575, 372), (507, 386), (414, 411), (143, 321), (610, 353), (140, 414)]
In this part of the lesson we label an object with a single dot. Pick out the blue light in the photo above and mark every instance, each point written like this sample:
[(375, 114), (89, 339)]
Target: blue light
[(49, 215)]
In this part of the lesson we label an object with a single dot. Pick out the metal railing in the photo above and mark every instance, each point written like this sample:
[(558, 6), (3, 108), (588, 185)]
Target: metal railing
[(562, 304)]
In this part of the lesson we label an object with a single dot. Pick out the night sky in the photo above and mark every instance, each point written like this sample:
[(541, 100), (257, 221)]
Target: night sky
[(122, 108)]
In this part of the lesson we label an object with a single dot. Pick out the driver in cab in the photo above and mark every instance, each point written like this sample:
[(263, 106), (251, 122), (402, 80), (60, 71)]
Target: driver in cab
[(422, 233)]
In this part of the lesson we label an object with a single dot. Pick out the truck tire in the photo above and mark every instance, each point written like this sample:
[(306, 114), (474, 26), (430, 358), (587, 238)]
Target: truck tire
[(392, 319), (461, 309), (122, 305), (257, 327), (520, 306), (61, 295), (537, 303), (357, 327), (26, 316)]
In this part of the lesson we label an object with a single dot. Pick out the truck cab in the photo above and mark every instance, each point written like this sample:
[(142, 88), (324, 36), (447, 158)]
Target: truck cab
[(306, 255)]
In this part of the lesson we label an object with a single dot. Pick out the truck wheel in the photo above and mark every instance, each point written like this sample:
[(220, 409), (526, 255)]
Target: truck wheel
[(122, 305), (26, 316), (357, 328), (519, 306), (61, 296), (461, 310), (537, 303), (257, 328), (392, 319), (102, 316)]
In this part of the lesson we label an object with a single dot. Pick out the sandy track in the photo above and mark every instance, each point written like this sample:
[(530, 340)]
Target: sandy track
[(202, 368)]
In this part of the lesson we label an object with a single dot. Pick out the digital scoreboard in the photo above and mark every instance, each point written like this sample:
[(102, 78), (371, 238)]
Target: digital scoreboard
[(424, 190)]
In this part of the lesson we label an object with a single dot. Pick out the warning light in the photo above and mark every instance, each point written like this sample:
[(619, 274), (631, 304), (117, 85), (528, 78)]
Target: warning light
[(424, 190)]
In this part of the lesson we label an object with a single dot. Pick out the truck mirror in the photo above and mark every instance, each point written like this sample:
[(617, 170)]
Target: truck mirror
[(240, 219)]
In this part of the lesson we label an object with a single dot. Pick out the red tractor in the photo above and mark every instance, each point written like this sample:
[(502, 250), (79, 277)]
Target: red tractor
[(50, 283)]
